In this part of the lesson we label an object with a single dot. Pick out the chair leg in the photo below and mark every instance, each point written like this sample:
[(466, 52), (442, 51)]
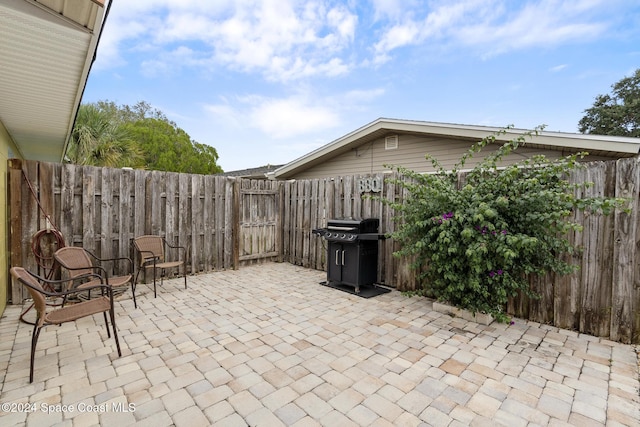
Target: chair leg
[(184, 272), (115, 331), (133, 291), (155, 293), (135, 278), (34, 341), (106, 323)]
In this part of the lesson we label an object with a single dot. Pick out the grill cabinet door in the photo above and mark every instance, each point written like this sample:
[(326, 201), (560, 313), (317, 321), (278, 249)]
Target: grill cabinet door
[(351, 264), (334, 265)]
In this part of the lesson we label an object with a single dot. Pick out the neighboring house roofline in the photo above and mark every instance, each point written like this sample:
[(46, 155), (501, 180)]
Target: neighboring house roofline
[(259, 172), (625, 146)]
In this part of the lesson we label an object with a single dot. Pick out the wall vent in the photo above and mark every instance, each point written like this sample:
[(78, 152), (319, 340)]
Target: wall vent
[(391, 142)]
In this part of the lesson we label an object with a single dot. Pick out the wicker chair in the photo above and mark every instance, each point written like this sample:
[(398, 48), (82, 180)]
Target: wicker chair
[(69, 313), (151, 254), (80, 262)]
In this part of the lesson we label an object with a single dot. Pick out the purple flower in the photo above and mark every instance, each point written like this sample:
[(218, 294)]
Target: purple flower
[(492, 273), (445, 216), (504, 231), (500, 272)]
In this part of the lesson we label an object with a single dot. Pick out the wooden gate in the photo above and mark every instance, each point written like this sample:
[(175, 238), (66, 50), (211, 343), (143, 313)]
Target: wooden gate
[(260, 229)]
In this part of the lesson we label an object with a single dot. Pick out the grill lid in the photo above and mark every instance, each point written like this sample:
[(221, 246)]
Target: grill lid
[(351, 225)]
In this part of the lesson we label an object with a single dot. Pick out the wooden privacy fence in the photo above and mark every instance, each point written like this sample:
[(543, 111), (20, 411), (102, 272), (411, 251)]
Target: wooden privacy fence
[(225, 222), (228, 222)]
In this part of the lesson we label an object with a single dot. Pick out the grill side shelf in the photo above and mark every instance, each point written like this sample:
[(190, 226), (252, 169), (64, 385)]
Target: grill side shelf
[(371, 236)]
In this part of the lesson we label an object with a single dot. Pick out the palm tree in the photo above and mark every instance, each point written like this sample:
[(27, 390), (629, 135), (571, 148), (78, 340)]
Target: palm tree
[(98, 139)]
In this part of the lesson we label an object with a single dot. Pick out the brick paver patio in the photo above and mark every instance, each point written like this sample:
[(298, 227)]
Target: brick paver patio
[(268, 346)]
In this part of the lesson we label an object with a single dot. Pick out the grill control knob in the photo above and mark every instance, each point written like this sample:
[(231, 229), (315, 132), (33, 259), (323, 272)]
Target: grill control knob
[(344, 236), (352, 237)]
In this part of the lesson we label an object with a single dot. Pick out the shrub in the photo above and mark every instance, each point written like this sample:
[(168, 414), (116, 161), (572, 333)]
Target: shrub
[(475, 244)]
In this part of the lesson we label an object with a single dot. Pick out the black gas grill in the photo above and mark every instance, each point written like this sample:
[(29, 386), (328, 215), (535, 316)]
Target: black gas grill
[(352, 251)]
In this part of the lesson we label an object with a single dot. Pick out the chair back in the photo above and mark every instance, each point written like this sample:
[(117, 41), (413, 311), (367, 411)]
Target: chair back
[(75, 259), (149, 247), (34, 288)]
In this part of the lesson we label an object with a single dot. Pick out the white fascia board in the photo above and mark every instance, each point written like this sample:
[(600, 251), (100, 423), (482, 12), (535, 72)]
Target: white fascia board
[(327, 149)]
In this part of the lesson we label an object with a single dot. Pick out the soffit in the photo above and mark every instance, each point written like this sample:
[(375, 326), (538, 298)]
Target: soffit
[(46, 51)]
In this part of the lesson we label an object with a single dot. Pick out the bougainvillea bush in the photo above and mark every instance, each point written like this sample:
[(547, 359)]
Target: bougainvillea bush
[(474, 244)]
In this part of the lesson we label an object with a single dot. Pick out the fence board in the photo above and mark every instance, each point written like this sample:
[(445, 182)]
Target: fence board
[(126, 178), (106, 212), (67, 203), (567, 288), (140, 203), (219, 194), (30, 208), (624, 297), (229, 214), (183, 217), (88, 208), (313, 223), (46, 215), (16, 224), (596, 263), (208, 222), (197, 232)]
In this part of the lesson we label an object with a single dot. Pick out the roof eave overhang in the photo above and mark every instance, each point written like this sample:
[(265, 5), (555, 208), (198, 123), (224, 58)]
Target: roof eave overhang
[(48, 50), (84, 77)]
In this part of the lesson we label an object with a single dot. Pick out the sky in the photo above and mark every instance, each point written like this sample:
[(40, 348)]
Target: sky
[(267, 81)]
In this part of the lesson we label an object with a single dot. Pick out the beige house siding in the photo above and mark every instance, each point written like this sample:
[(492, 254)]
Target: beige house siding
[(7, 150), (371, 157)]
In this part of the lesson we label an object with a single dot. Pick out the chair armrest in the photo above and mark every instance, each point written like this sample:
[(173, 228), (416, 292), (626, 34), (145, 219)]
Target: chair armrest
[(153, 258), (73, 290), (111, 259), (184, 249)]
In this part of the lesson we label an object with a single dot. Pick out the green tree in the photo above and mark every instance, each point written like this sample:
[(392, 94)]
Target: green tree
[(160, 143), (128, 114), (475, 246), (166, 147), (98, 140), (617, 113)]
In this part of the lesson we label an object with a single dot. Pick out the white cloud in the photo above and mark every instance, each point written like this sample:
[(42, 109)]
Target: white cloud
[(224, 114), (284, 118), (288, 40), (282, 39), (303, 114), (558, 68), (491, 27), (278, 118)]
